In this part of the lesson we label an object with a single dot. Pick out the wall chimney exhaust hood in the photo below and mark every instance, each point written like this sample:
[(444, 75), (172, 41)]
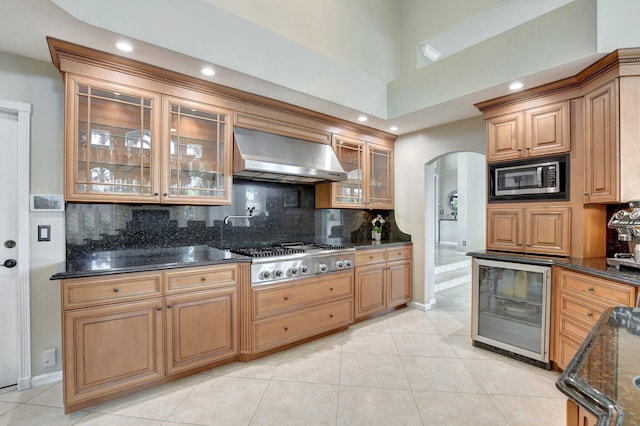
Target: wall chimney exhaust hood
[(268, 157)]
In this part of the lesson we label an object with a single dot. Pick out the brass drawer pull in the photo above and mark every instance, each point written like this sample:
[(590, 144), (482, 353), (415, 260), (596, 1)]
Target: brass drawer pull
[(330, 315), (589, 314), (330, 288), (286, 298), (116, 290), (589, 288), (203, 279), (286, 329)]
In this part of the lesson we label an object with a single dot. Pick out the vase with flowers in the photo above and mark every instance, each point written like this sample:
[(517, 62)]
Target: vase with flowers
[(376, 231)]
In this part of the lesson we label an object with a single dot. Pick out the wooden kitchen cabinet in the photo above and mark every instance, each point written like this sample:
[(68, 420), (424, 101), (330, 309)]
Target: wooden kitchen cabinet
[(369, 183), (579, 301), (383, 280), (124, 144), (291, 311), (537, 131), (111, 348), (202, 328), (610, 134), (579, 416), (539, 230), (114, 328)]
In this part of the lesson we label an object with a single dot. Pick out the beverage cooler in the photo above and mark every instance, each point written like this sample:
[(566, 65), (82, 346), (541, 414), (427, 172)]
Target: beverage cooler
[(511, 309)]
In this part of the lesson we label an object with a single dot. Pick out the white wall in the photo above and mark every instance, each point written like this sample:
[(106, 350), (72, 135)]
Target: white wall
[(472, 199), (618, 24), (40, 84), (412, 204)]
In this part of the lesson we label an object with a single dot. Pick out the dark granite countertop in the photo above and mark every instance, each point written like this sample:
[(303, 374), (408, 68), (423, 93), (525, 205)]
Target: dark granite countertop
[(365, 245), (141, 260), (593, 266), (604, 375)]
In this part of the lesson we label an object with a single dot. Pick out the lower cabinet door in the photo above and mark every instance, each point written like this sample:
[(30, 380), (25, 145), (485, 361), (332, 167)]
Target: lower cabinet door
[(370, 290), (201, 328), (111, 348), (399, 283)]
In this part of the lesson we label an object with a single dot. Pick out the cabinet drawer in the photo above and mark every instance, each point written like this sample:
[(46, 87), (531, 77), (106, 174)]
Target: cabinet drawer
[(298, 325), (567, 349), (80, 292), (613, 293), (584, 311), (364, 257), (270, 299), (399, 253), (578, 330), (191, 279)]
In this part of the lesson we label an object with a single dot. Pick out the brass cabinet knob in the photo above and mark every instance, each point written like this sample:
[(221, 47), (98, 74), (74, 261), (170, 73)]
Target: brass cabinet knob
[(116, 290)]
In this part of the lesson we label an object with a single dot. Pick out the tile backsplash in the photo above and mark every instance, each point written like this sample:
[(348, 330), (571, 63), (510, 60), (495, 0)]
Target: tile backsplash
[(283, 213)]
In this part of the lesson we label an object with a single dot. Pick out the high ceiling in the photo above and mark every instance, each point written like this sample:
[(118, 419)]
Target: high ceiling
[(311, 65)]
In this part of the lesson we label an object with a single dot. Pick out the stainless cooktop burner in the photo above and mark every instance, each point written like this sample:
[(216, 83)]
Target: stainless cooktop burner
[(290, 261)]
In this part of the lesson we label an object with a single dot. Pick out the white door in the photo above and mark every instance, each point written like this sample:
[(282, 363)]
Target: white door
[(9, 349)]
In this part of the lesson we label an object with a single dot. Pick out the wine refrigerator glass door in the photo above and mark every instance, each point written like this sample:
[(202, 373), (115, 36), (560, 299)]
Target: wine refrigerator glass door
[(510, 307)]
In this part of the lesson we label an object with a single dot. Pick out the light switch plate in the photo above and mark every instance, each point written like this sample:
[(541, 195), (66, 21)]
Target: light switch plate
[(44, 232)]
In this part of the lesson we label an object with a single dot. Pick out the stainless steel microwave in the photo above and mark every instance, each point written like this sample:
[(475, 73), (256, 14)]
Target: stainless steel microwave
[(532, 179)]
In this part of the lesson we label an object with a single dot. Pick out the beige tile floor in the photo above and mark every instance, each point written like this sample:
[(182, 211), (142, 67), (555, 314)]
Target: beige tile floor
[(404, 368)]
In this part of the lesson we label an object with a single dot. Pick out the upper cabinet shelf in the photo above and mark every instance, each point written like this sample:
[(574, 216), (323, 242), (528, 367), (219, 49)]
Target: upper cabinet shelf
[(133, 145)]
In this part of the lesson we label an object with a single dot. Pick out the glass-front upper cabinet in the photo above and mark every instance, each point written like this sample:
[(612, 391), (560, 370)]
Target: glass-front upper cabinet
[(197, 157), (380, 194), (369, 181), (111, 142), (350, 153)]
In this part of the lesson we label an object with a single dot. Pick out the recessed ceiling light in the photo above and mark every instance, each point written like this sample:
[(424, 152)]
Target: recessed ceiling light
[(124, 46), (207, 71), (393, 128), (362, 118), (515, 85)]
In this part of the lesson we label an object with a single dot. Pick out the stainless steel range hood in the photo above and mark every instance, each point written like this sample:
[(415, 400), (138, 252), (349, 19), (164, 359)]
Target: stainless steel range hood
[(269, 157)]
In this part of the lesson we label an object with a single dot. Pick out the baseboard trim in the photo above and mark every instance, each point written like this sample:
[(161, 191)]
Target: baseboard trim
[(421, 306), (44, 379)]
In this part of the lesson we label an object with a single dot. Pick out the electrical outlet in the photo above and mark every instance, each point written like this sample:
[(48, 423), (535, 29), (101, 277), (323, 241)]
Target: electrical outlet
[(49, 357), (464, 243)]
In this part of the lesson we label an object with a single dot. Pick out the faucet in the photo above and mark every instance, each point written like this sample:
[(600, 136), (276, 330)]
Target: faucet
[(250, 209)]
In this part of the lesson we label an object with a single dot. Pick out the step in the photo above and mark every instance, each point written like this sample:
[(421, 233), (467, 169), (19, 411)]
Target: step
[(452, 278), (453, 266)]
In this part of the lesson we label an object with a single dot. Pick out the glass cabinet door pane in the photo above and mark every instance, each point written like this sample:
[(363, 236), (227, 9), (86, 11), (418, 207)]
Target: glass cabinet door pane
[(351, 158), (113, 142), (197, 152), (380, 177)]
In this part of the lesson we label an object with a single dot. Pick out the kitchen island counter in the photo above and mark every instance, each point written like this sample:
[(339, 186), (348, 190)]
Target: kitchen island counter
[(604, 375)]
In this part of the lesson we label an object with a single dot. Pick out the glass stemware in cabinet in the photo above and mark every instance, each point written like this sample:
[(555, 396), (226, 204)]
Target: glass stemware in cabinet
[(198, 153), (112, 143)]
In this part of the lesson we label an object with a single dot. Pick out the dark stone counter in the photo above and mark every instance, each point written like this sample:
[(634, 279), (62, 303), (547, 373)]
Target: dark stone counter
[(604, 375), (592, 266), (140, 260)]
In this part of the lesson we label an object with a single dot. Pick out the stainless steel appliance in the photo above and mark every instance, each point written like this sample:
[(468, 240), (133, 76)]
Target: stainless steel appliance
[(529, 179), (627, 224), (511, 309), (292, 261), (269, 157)]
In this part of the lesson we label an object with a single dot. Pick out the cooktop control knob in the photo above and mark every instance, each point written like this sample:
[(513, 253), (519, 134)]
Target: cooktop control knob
[(304, 269), (293, 271), (265, 275), (322, 267), (339, 264), (347, 263), (277, 273)]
